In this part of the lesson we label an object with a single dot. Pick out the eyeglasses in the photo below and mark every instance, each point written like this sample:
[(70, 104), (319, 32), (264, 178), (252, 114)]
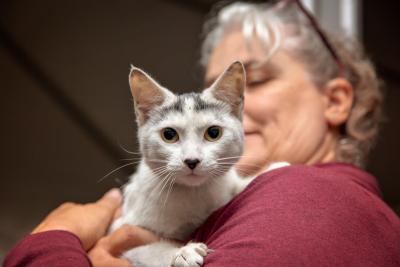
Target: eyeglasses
[(314, 24)]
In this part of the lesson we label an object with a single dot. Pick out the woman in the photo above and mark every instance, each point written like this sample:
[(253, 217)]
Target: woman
[(311, 102)]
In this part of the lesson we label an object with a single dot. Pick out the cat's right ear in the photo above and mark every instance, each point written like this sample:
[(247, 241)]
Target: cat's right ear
[(146, 92), (229, 87)]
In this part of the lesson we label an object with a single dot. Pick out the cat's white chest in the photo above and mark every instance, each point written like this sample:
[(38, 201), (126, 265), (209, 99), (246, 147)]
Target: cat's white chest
[(174, 212)]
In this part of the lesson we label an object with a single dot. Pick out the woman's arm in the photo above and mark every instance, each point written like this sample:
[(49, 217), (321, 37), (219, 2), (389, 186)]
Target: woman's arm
[(330, 215), (66, 235)]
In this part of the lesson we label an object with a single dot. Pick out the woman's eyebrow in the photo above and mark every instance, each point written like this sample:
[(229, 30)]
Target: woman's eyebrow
[(261, 65)]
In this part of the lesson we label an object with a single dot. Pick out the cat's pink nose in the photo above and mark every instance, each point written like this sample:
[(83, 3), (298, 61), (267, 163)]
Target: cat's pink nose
[(191, 163)]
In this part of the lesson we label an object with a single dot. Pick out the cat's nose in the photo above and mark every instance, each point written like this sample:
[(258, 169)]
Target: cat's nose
[(191, 163)]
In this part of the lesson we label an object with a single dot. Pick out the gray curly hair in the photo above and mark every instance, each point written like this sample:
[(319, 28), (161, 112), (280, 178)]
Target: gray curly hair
[(287, 29)]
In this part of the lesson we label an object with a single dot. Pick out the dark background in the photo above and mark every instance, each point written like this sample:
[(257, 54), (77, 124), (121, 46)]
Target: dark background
[(65, 105)]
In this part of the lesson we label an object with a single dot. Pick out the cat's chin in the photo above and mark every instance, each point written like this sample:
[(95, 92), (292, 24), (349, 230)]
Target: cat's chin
[(192, 180)]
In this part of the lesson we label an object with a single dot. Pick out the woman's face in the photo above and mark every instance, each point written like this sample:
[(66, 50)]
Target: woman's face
[(283, 112)]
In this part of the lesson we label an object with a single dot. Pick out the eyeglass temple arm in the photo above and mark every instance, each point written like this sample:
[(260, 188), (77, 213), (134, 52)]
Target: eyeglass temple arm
[(320, 32)]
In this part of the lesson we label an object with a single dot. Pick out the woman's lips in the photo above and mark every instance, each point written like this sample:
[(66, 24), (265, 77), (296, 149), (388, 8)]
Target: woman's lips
[(251, 136), (249, 132)]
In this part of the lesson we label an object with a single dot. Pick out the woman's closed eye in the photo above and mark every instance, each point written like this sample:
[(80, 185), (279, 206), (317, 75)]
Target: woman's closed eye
[(258, 82), (258, 75)]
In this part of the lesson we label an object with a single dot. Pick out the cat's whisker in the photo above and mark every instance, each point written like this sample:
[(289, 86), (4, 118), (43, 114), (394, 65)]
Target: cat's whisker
[(236, 157), (136, 159), (120, 182), (156, 186), (163, 177), (158, 160), (214, 173), (223, 170), (170, 188), (108, 174), (132, 161), (161, 171), (128, 151), (165, 182), (245, 172), (218, 172), (230, 158), (258, 165), (160, 167), (220, 159), (225, 163), (232, 163), (214, 177), (158, 173)]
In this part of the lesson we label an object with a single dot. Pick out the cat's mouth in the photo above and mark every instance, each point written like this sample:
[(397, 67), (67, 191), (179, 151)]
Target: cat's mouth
[(192, 179), (192, 173)]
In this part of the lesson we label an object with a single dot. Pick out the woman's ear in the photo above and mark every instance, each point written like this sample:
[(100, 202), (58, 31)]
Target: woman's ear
[(339, 98)]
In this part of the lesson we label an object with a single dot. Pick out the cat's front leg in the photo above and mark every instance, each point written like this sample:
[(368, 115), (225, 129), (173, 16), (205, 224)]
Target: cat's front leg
[(167, 254), (190, 255)]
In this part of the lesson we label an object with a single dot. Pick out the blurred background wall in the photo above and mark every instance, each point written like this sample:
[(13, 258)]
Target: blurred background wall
[(65, 106)]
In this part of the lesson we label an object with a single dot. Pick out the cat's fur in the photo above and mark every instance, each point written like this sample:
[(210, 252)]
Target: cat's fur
[(165, 195)]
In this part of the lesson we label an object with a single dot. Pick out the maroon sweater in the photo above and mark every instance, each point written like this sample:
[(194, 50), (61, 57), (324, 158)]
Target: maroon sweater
[(325, 215)]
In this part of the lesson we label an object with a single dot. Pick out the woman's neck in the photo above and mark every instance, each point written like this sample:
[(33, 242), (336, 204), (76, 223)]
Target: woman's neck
[(326, 152)]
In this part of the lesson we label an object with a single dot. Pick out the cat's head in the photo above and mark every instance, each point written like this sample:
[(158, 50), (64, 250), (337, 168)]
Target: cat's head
[(193, 137)]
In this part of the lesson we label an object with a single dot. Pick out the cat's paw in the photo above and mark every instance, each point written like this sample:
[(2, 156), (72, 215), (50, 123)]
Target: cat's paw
[(191, 255)]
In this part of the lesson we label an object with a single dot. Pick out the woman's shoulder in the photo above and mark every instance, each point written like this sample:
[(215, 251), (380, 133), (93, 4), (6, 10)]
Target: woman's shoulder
[(337, 191), (303, 212), (303, 184), (331, 176), (335, 183)]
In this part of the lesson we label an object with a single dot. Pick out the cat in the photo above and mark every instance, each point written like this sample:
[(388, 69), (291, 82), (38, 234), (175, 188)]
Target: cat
[(189, 144)]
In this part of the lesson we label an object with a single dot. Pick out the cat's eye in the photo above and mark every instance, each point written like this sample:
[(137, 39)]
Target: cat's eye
[(213, 133), (169, 135)]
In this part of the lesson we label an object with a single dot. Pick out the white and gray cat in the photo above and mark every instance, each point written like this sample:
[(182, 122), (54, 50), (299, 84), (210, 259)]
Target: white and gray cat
[(189, 144)]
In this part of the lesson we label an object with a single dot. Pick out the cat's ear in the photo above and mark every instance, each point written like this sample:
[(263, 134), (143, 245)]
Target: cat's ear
[(229, 87), (147, 93)]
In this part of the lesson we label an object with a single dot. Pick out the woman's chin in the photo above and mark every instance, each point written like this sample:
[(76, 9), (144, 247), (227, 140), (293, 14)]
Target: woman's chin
[(253, 140)]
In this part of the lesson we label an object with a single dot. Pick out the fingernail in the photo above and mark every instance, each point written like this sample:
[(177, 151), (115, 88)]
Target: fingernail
[(114, 193)]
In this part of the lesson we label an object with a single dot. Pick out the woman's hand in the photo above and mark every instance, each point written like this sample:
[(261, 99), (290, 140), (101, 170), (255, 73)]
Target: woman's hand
[(107, 250), (89, 222)]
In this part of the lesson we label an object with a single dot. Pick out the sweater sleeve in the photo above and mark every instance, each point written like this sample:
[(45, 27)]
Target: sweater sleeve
[(303, 216), (52, 248)]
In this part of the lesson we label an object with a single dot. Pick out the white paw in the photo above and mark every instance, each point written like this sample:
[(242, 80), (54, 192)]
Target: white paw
[(191, 255)]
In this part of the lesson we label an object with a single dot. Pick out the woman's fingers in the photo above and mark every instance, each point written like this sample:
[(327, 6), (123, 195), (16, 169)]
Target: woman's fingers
[(125, 238), (102, 258), (89, 222), (117, 213), (110, 203), (106, 252)]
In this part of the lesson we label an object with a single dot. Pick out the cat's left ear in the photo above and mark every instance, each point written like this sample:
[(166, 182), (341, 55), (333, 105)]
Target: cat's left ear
[(229, 87), (147, 94)]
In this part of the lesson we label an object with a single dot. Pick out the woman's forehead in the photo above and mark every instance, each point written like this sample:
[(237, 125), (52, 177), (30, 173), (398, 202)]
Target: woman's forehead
[(234, 46)]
